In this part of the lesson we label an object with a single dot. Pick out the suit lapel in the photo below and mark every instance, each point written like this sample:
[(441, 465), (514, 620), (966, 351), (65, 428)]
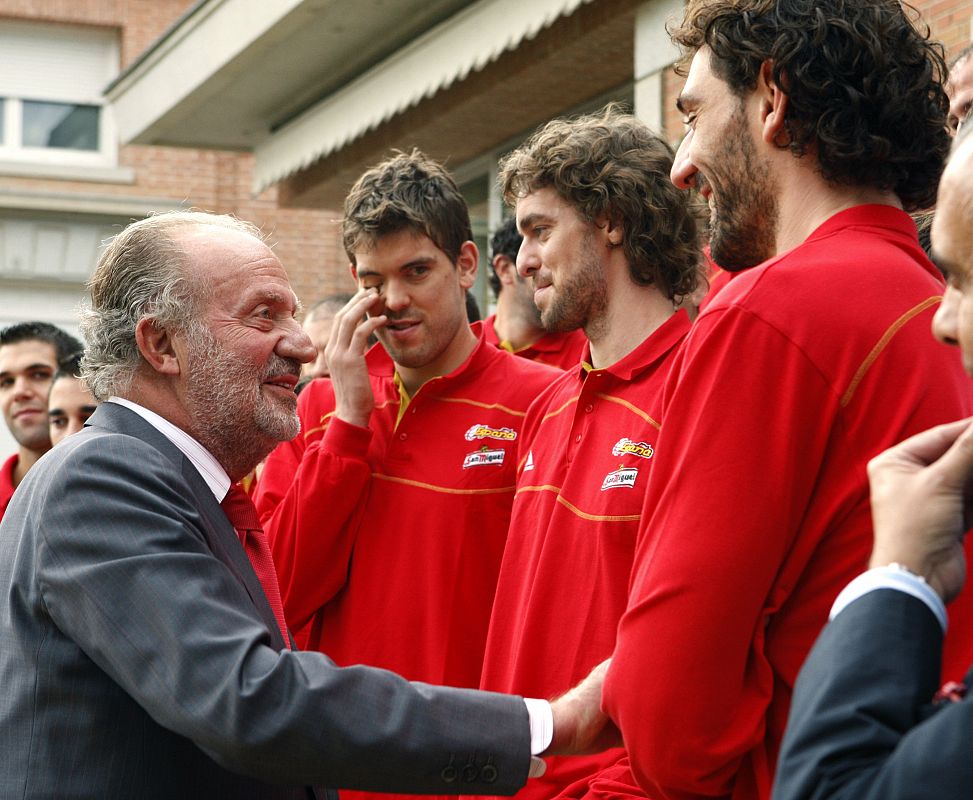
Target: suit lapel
[(220, 535)]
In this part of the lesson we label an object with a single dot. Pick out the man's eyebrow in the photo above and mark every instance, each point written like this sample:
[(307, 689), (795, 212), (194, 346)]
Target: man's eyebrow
[(532, 219), (418, 261), (31, 368)]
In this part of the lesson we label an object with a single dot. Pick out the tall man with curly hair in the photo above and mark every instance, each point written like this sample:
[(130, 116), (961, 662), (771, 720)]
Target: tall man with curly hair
[(388, 515), (612, 248), (812, 129)]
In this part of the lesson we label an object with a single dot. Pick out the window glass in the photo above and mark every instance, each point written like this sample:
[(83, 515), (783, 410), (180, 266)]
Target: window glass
[(64, 125)]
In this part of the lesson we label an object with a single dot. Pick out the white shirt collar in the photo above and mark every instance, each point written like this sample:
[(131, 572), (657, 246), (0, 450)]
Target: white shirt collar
[(201, 458)]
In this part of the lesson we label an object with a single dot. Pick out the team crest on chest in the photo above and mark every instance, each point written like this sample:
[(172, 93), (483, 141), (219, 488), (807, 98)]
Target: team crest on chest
[(487, 432), (484, 457), (626, 446)]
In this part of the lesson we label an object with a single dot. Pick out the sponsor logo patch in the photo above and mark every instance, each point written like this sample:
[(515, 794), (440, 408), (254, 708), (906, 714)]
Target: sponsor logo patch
[(640, 449), (529, 464), (621, 478), (484, 457), (486, 432)]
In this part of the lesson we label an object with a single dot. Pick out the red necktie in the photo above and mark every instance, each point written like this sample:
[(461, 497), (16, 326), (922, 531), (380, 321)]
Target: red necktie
[(241, 512)]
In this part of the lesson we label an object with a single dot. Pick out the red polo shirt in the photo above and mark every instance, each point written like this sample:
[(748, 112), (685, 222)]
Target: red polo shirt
[(589, 443), (7, 482), (756, 513), (561, 350)]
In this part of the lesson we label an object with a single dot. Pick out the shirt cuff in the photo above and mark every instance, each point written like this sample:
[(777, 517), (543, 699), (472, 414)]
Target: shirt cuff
[(891, 577), (541, 732), (347, 440)]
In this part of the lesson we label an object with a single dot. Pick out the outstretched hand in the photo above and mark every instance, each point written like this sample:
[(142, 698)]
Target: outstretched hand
[(921, 506)]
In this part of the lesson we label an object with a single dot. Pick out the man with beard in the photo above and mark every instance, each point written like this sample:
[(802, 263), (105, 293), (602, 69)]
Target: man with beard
[(611, 247), (516, 326), (388, 516), (29, 355), (810, 128), (143, 651)]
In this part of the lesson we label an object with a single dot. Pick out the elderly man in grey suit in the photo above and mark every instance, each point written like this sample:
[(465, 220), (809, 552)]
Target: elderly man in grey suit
[(142, 653), (863, 724)]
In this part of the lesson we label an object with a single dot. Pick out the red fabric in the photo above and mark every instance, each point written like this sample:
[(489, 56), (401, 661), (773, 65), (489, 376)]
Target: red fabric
[(239, 509), (7, 482), (561, 350), (564, 579), (756, 513)]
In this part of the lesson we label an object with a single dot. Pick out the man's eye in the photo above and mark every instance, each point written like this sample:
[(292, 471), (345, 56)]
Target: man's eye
[(58, 422)]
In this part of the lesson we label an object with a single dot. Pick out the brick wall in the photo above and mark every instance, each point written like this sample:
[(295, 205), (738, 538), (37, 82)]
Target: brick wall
[(307, 241)]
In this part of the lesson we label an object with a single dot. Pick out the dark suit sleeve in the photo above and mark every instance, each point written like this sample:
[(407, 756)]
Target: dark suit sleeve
[(861, 726), (125, 571)]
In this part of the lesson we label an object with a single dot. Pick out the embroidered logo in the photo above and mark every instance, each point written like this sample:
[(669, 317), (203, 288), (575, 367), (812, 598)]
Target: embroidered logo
[(486, 432), (529, 463), (640, 449), (621, 478), (484, 457)]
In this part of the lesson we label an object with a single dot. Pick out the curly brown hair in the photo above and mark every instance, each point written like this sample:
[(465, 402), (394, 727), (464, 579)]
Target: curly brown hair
[(864, 82), (610, 165), (406, 191)]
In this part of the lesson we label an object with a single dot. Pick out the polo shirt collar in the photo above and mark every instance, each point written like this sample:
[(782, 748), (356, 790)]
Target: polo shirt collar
[(655, 346)]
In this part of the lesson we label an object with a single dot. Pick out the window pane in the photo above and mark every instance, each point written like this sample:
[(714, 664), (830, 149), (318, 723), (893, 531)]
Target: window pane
[(60, 125)]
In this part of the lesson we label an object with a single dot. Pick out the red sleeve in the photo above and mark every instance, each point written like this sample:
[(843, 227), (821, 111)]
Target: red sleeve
[(309, 498), (690, 682)]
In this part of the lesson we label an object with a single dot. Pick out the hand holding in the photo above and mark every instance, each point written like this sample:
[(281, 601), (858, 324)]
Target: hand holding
[(920, 508), (347, 345), (580, 726)]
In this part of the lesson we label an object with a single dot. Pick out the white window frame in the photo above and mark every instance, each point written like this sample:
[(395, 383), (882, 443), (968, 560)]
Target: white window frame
[(11, 149)]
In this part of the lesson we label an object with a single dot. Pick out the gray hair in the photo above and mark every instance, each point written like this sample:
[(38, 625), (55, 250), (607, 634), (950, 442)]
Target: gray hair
[(144, 272)]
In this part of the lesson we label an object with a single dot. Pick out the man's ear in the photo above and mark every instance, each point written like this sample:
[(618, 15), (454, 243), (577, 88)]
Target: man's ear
[(773, 107), (156, 346), (505, 269), (466, 263), (615, 232), (354, 271)]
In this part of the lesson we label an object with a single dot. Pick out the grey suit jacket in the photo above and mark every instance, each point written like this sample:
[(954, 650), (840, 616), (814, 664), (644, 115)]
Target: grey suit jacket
[(139, 657), (862, 726)]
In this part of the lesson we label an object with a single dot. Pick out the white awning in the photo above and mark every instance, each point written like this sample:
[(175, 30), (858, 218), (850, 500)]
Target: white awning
[(430, 63)]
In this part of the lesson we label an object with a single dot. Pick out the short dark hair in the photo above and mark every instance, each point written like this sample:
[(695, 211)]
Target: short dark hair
[(408, 191), (863, 79), (610, 164), (505, 242), (63, 342), (69, 367)]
